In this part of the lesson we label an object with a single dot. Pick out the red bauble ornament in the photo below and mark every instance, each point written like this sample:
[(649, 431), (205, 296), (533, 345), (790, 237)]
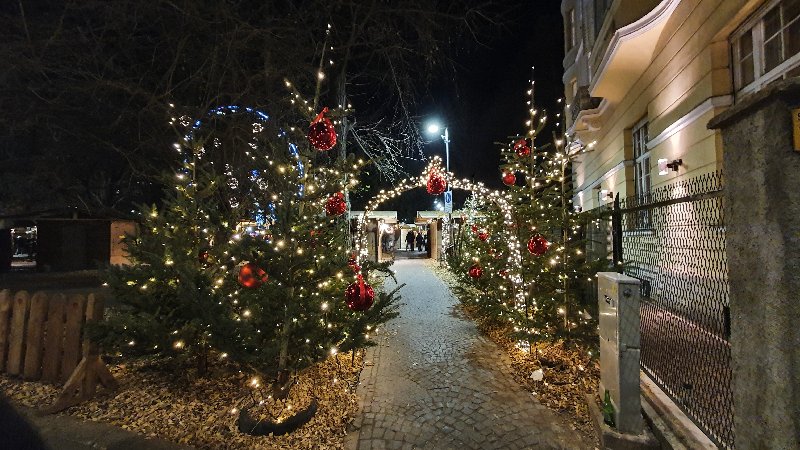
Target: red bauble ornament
[(322, 133), (335, 205), (203, 257), (509, 179), (475, 271), (521, 147), (484, 236), (251, 276), (538, 245), (359, 295), (436, 183), (474, 228)]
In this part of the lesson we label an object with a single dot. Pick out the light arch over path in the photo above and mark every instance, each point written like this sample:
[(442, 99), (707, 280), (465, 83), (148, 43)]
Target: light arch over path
[(493, 196)]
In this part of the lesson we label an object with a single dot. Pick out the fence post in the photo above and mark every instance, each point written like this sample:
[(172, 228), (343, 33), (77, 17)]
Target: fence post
[(616, 234), (16, 340), (35, 339), (6, 301)]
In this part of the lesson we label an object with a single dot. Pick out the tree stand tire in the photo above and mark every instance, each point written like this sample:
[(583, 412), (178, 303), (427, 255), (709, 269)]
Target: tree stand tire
[(253, 427)]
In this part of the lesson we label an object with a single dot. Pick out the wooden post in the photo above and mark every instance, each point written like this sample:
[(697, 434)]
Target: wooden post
[(82, 384), (53, 338), (5, 317), (33, 348), (76, 308), (16, 341)]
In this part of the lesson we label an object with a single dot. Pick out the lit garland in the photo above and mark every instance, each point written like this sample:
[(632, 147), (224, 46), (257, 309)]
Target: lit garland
[(478, 189)]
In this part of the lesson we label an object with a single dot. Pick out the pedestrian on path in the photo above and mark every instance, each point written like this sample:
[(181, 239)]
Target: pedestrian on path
[(420, 242), (410, 240)]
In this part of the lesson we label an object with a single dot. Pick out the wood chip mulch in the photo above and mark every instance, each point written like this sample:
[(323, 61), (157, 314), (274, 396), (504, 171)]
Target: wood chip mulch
[(558, 374), (156, 398)]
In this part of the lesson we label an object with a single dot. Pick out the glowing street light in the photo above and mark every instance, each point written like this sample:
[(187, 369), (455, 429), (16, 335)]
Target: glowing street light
[(433, 128)]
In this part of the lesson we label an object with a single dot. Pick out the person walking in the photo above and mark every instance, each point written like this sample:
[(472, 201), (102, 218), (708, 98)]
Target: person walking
[(410, 240), (420, 242)]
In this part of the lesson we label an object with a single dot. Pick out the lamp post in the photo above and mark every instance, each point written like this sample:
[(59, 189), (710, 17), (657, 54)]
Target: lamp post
[(434, 128)]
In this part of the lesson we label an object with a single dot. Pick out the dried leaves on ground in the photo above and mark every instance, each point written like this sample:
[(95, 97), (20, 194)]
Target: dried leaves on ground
[(157, 398), (559, 374)]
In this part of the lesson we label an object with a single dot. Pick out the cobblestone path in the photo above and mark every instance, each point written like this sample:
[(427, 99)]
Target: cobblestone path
[(435, 382)]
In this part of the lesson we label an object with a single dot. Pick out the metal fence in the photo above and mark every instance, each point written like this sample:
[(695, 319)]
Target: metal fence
[(673, 240)]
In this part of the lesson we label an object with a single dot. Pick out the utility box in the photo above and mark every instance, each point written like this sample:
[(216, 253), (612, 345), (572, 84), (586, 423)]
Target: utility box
[(618, 296)]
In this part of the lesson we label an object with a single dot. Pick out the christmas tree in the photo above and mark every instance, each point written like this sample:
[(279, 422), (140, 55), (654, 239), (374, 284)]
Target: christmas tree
[(248, 258), (543, 292)]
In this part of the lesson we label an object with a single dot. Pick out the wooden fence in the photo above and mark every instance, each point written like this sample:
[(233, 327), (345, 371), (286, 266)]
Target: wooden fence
[(42, 338)]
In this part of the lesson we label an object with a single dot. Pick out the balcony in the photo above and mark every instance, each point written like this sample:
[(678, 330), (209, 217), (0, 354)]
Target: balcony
[(582, 102), (627, 51)]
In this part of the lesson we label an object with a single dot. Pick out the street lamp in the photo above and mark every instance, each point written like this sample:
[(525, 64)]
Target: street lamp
[(433, 128)]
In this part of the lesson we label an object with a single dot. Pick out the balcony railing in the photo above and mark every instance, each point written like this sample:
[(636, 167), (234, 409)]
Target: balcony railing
[(583, 101)]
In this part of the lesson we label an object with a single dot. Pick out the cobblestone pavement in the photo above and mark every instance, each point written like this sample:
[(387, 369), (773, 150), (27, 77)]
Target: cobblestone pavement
[(436, 383)]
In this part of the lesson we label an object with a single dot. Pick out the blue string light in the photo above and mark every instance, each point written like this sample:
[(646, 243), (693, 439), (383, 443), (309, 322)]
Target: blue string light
[(262, 117)]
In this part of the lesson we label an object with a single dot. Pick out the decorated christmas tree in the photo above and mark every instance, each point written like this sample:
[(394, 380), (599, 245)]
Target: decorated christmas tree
[(247, 259), (540, 288), (482, 259)]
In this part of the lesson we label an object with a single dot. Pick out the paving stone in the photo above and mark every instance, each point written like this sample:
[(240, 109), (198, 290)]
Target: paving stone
[(437, 383)]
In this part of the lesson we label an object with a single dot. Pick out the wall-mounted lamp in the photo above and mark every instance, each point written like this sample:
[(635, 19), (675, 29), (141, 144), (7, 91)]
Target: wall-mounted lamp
[(664, 166), (606, 195)]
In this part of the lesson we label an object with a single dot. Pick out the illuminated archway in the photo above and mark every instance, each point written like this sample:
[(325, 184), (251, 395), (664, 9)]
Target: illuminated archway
[(493, 196)]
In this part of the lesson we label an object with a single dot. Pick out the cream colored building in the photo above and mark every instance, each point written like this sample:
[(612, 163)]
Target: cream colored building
[(644, 77)]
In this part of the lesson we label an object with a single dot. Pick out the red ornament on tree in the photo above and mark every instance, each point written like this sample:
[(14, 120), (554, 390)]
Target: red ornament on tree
[(474, 228), (322, 133), (335, 205), (359, 295), (203, 257), (538, 245), (484, 236), (251, 276), (436, 183), (509, 179), (475, 271), (503, 273), (521, 147)]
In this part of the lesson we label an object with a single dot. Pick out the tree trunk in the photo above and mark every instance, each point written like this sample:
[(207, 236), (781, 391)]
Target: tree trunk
[(202, 360), (280, 388)]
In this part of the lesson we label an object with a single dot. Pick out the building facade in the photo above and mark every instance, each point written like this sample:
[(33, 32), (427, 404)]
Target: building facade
[(643, 78)]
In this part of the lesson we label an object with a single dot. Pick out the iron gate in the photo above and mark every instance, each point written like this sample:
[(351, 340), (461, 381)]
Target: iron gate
[(673, 240)]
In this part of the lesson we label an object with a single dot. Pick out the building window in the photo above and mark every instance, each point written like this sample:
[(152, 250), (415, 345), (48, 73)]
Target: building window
[(767, 47), (641, 170), (569, 29)]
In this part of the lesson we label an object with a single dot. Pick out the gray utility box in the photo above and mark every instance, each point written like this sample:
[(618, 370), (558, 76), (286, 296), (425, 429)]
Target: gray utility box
[(618, 296)]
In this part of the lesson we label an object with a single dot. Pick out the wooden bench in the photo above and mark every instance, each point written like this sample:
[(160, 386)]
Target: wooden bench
[(42, 338)]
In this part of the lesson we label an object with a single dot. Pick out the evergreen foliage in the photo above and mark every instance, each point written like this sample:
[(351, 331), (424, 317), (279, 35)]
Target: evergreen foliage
[(237, 198), (556, 285)]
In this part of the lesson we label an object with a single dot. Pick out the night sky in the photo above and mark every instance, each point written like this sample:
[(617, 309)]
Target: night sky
[(486, 103)]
